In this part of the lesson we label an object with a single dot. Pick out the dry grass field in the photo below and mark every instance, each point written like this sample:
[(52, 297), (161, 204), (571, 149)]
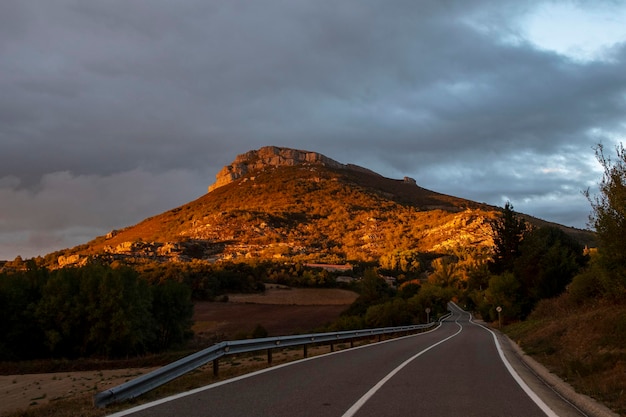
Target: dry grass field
[(584, 345)]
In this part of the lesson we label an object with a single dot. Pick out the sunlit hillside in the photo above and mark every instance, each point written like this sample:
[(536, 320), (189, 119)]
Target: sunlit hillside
[(304, 212)]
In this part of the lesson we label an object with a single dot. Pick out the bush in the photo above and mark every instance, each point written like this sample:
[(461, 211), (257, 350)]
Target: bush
[(391, 313), (504, 292), (585, 286), (259, 332), (347, 323), (433, 297)]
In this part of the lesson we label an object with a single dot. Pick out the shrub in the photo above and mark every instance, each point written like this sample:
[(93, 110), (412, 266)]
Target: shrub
[(259, 332)]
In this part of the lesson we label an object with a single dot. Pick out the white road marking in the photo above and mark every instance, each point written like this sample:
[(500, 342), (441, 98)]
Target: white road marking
[(361, 401), (142, 407), (540, 403), (531, 394)]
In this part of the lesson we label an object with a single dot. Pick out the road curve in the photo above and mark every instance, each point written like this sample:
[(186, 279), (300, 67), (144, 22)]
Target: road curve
[(456, 369)]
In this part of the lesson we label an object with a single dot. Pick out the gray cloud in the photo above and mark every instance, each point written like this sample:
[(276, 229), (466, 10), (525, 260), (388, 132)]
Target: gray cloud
[(65, 210), (105, 102)]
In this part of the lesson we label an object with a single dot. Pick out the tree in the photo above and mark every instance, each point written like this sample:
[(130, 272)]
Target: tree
[(472, 263), (547, 262), (503, 292), (430, 296), (118, 311), (61, 313), (97, 310), (445, 272), (374, 290), (508, 232), (20, 335), (401, 260), (609, 216), (172, 312)]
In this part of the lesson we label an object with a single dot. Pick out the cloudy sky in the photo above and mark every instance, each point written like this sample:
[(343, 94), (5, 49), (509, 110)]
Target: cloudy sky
[(113, 111)]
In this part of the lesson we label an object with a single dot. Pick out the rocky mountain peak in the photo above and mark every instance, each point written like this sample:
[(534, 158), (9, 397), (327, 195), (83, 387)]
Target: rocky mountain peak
[(269, 156)]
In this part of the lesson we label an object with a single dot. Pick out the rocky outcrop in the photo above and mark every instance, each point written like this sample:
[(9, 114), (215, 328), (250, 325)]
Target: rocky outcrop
[(269, 156), (161, 251), (71, 260), (470, 228)]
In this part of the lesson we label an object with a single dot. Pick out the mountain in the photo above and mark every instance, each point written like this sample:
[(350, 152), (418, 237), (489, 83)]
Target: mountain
[(280, 203)]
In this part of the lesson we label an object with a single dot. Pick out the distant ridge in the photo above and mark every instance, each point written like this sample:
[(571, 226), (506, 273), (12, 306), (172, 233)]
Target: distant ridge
[(299, 206)]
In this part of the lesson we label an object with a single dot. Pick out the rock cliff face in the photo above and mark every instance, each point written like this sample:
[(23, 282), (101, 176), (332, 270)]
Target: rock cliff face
[(270, 156)]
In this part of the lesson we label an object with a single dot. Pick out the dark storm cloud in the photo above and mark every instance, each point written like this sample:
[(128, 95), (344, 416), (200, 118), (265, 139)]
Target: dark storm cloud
[(106, 106)]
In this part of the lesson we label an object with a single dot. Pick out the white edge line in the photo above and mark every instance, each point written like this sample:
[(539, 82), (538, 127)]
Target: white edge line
[(251, 374), (361, 401), (533, 396)]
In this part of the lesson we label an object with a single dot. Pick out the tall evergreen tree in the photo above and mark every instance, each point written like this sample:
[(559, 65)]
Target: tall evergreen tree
[(508, 232), (548, 261)]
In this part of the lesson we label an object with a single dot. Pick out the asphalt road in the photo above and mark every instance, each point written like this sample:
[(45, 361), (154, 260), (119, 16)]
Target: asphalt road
[(454, 370)]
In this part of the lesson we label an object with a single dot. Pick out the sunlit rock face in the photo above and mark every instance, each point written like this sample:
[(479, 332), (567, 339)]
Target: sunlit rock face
[(301, 206), (269, 156)]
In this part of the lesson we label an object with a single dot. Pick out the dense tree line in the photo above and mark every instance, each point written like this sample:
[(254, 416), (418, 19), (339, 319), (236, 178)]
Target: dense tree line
[(528, 265), (114, 311), (207, 281), (532, 265), (380, 305), (94, 310), (210, 281)]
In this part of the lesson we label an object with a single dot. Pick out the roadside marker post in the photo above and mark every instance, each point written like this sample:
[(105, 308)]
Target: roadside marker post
[(499, 310)]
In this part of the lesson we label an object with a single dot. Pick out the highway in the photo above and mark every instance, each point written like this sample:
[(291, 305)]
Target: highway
[(456, 369)]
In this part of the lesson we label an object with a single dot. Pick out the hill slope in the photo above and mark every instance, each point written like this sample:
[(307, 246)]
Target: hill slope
[(283, 203)]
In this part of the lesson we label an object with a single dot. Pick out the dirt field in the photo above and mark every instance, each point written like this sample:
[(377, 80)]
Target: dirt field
[(280, 311), (277, 294)]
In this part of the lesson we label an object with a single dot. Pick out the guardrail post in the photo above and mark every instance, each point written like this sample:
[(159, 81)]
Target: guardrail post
[(306, 353), (332, 347), (216, 367), (351, 343), (269, 356)]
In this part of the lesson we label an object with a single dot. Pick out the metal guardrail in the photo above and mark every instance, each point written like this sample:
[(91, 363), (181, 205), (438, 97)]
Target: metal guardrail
[(158, 377)]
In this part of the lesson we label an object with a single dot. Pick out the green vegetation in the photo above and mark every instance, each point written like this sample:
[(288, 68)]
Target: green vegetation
[(94, 310), (528, 265), (609, 220), (379, 305), (508, 232), (581, 334)]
